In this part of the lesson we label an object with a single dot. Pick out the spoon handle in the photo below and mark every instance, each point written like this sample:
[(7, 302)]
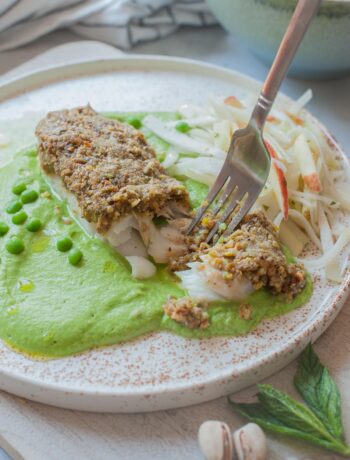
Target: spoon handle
[(298, 25)]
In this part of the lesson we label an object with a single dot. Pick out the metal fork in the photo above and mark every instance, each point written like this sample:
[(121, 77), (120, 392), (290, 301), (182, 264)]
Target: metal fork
[(248, 162)]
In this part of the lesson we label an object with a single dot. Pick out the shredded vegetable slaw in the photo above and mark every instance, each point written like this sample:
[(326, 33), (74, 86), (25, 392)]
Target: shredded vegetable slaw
[(307, 194)]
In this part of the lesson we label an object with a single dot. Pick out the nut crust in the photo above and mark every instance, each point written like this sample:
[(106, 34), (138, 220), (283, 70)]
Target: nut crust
[(187, 311), (106, 164)]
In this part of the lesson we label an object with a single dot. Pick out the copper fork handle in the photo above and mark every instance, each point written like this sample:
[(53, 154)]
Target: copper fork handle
[(298, 25)]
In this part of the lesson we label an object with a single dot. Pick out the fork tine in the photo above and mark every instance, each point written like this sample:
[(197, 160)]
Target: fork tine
[(228, 192), (214, 191), (228, 211), (241, 213)]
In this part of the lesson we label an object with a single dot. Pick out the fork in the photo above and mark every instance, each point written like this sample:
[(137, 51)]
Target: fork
[(248, 161)]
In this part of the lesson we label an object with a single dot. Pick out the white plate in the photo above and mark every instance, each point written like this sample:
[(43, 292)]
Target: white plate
[(162, 370)]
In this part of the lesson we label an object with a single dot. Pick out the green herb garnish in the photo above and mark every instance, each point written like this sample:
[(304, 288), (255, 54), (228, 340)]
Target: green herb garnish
[(318, 422)]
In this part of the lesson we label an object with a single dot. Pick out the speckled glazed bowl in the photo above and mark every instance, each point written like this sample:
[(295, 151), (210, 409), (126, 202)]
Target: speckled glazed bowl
[(260, 25)]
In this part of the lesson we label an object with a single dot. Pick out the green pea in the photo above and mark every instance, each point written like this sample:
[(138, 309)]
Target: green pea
[(19, 188), (64, 244), (19, 218), (75, 256), (182, 126), (34, 225), (135, 122), (29, 196), (15, 245), (4, 228), (14, 207)]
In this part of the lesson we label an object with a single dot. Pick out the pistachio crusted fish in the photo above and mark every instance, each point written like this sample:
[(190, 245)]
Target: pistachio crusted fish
[(108, 166), (254, 252), (241, 263)]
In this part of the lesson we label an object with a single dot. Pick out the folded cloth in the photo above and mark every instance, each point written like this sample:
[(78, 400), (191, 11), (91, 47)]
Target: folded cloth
[(120, 22)]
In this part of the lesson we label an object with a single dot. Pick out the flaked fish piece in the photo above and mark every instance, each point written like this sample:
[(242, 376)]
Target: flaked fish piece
[(165, 242), (202, 282), (108, 166)]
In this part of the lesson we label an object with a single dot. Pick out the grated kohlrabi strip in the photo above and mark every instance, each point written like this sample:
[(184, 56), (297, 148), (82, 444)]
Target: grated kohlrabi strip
[(301, 102), (331, 254)]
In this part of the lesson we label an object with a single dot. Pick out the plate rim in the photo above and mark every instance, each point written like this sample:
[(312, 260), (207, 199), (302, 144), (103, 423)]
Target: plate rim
[(300, 338)]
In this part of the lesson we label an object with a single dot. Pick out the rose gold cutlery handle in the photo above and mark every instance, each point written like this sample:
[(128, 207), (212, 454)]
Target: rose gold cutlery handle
[(298, 25)]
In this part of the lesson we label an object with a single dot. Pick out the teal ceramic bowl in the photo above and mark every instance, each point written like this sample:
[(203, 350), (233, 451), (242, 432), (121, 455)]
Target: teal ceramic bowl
[(260, 24)]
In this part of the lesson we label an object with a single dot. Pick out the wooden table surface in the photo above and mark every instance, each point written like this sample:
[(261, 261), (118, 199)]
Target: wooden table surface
[(37, 432)]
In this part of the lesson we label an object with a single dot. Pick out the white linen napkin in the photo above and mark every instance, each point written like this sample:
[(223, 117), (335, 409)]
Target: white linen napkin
[(120, 22)]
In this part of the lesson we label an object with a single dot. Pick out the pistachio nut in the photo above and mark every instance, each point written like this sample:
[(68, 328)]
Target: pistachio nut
[(215, 440), (250, 443)]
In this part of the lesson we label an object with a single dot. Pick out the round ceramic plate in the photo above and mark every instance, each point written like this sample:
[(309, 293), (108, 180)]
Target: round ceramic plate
[(161, 370)]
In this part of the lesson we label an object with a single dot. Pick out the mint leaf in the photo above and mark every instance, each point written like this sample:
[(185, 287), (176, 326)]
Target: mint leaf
[(291, 413), (258, 414), (319, 391)]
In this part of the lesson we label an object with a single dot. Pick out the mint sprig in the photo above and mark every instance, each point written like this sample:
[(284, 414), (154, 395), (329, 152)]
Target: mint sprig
[(319, 391), (318, 422)]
